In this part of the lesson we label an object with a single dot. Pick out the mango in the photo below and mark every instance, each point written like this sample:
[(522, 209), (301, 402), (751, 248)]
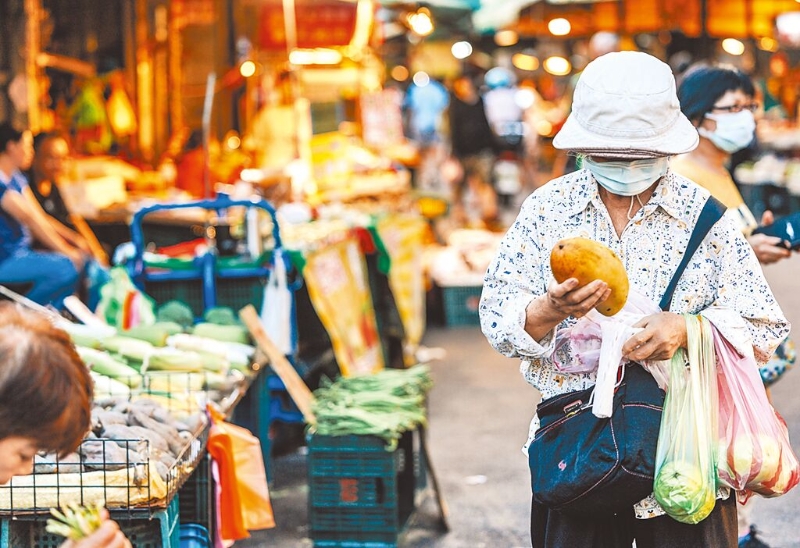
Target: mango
[(587, 260)]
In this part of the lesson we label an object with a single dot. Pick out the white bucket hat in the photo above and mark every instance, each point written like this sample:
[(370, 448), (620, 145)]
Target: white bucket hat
[(625, 106)]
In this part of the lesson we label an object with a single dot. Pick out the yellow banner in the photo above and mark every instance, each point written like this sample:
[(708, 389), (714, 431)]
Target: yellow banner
[(403, 236), (337, 284)]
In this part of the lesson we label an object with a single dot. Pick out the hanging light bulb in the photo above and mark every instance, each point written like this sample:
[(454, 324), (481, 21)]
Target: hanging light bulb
[(247, 69), (733, 46), (525, 61), (420, 22), (505, 38), (421, 79), (559, 26), (461, 50), (557, 66)]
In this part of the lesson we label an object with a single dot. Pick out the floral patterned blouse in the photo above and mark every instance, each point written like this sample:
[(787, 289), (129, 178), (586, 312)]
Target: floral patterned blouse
[(723, 281)]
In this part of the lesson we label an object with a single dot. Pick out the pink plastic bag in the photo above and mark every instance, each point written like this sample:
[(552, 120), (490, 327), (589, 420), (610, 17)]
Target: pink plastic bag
[(754, 452), (596, 343)]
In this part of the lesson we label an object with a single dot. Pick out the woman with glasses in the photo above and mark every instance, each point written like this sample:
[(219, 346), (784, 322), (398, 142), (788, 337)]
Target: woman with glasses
[(719, 101)]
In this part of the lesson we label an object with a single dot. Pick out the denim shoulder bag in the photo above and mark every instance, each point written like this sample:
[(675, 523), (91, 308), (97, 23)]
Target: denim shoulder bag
[(582, 464)]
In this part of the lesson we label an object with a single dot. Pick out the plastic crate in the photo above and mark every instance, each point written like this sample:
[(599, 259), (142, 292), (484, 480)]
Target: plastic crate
[(461, 305), (197, 496), (235, 293), (159, 530), (194, 536), (360, 494)]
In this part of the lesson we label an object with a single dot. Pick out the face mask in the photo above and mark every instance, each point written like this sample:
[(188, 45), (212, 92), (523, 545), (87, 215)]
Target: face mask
[(734, 130), (627, 178)]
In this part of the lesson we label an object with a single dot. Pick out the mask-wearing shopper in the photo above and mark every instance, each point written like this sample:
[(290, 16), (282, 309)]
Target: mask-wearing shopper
[(734, 131), (626, 121)]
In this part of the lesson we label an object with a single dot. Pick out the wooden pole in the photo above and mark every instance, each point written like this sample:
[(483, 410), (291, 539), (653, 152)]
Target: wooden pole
[(297, 389)]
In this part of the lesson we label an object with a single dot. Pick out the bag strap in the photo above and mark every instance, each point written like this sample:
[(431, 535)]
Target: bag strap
[(713, 210)]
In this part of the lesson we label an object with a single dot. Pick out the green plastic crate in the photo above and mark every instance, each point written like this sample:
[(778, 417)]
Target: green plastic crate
[(161, 530), (461, 305), (360, 495)]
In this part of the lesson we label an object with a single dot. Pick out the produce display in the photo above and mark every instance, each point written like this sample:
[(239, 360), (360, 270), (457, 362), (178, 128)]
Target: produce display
[(152, 384), (384, 404), (587, 261)]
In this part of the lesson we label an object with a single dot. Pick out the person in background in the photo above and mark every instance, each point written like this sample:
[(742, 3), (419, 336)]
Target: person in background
[(627, 198), (472, 145), (425, 104), (52, 273), (47, 174), (45, 402), (720, 102)]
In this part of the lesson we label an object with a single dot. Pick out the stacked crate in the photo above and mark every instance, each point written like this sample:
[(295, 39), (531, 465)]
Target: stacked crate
[(360, 494)]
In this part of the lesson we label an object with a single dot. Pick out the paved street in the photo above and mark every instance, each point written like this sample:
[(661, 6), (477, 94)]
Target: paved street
[(479, 413)]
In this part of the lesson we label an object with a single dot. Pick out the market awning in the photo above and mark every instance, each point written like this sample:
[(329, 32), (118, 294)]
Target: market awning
[(719, 18)]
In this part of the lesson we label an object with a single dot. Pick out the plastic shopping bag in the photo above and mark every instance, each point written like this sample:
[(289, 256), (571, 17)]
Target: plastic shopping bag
[(122, 304), (754, 451), (596, 342), (685, 478), (244, 503), (276, 310)]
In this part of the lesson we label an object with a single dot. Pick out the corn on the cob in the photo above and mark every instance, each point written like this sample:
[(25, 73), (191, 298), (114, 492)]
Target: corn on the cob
[(107, 387), (133, 350), (82, 335), (172, 359), (156, 336), (107, 365), (175, 381), (230, 352), (229, 333)]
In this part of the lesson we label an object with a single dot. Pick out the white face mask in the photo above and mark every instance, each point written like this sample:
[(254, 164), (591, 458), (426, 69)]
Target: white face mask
[(734, 130), (627, 178)]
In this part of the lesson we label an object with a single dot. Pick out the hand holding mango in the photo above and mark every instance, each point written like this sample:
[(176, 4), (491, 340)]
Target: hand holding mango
[(587, 261), (583, 268)]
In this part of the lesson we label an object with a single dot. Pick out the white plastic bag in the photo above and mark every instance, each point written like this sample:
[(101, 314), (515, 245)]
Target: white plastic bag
[(276, 309), (597, 342)]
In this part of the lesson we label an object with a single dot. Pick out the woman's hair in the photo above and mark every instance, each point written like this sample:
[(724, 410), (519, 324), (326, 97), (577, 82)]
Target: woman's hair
[(703, 85), (8, 134), (45, 389)]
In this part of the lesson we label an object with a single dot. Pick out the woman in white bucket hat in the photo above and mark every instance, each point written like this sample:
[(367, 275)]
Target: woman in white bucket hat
[(627, 122)]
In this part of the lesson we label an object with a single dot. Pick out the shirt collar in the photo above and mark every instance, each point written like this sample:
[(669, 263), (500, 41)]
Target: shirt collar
[(668, 195)]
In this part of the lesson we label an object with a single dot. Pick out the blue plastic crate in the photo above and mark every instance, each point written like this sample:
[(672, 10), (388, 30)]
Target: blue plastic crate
[(194, 536), (159, 530), (461, 305), (360, 494)]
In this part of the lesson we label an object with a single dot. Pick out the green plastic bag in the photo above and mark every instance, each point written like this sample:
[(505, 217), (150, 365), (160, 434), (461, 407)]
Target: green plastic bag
[(686, 477), (122, 305)]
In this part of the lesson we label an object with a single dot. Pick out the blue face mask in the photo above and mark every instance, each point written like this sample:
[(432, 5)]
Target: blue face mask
[(627, 178), (734, 131)]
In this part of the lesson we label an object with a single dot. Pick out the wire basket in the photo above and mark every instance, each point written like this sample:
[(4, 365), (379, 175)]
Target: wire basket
[(123, 474), (160, 530)]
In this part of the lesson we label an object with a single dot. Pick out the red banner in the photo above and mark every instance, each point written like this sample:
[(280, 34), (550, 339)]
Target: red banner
[(320, 24)]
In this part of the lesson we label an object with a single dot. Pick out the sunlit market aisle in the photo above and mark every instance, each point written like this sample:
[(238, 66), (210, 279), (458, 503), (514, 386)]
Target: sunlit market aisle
[(479, 413)]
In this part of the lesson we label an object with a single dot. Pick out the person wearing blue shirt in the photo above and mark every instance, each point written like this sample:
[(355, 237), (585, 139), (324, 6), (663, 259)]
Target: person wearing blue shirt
[(52, 272)]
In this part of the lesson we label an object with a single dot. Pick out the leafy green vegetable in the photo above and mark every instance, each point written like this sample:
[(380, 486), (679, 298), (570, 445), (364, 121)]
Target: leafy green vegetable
[(75, 522), (385, 404)]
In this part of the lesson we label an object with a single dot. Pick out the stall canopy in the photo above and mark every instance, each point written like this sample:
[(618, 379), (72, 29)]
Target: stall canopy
[(719, 18)]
